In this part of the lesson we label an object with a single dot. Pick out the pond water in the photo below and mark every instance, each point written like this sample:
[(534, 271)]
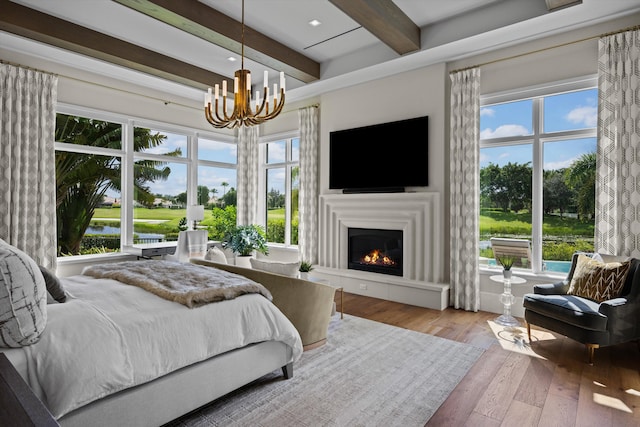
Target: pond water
[(552, 266), (108, 229)]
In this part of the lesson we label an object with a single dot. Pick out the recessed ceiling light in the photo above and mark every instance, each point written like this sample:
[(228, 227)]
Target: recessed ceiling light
[(314, 22), (231, 59), (561, 4)]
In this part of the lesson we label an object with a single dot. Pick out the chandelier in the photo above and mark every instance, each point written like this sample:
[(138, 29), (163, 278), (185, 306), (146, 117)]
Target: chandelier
[(242, 113)]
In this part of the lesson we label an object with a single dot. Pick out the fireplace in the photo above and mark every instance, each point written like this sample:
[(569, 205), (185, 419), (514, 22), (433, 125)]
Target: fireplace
[(375, 250)]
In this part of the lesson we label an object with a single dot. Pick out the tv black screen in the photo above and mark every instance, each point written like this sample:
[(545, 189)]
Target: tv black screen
[(382, 157)]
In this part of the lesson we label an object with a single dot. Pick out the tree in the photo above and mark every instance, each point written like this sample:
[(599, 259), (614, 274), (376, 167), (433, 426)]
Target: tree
[(82, 180), (506, 187), (203, 195), (275, 199), (556, 192), (224, 219), (224, 188), (581, 177), (518, 184), (230, 198)]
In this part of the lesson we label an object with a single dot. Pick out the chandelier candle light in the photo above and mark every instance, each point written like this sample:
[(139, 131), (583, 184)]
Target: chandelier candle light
[(242, 113)]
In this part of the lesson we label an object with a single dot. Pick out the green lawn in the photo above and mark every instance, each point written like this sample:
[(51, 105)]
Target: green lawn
[(171, 217), (561, 235), (497, 222), (142, 213)]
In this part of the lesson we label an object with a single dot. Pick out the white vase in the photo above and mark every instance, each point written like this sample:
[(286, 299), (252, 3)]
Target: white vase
[(304, 275), (243, 261)]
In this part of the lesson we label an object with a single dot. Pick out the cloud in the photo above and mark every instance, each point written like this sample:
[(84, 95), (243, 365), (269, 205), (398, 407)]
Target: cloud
[(587, 116), (558, 164), (488, 112), (504, 130)]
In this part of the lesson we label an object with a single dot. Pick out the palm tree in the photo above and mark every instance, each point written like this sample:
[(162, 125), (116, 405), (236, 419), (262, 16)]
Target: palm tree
[(82, 180), (581, 176), (224, 188)]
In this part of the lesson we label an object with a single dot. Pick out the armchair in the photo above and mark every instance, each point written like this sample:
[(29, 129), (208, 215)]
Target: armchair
[(611, 321)]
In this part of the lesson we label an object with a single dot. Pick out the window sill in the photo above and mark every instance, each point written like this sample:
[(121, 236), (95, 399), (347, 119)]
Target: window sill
[(84, 259), (545, 276)]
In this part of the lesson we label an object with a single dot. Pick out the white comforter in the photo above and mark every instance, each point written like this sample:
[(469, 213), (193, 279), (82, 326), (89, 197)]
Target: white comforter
[(109, 336)]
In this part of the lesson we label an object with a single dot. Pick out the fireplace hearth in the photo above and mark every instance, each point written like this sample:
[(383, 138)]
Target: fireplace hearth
[(375, 250)]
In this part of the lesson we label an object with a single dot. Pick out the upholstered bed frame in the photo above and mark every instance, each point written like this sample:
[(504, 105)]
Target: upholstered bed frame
[(307, 304), (176, 394)]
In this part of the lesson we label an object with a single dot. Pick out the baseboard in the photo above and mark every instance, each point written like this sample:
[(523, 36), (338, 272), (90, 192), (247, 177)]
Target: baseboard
[(390, 288)]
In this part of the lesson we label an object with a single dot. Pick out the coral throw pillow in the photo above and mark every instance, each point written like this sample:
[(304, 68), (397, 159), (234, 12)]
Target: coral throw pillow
[(598, 281)]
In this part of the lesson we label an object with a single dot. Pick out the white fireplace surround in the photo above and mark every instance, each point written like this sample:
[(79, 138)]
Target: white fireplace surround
[(416, 214)]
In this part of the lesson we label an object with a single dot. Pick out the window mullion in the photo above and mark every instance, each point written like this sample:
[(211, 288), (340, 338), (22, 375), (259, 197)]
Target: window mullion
[(537, 188), (127, 192), (287, 191)]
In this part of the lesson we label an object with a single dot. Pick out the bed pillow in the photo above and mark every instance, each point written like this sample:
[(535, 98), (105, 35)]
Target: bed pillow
[(55, 290), (284, 268), (23, 298), (597, 280), (216, 254)]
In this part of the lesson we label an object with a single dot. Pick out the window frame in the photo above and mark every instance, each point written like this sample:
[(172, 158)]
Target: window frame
[(128, 157), (537, 139), (288, 165)]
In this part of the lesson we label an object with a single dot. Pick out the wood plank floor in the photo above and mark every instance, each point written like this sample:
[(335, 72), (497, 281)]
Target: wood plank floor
[(548, 383)]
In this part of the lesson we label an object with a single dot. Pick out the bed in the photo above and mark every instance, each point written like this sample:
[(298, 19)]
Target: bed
[(116, 354)]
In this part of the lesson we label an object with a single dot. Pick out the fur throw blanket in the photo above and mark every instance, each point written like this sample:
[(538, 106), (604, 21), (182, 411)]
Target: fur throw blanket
[(188, 284)]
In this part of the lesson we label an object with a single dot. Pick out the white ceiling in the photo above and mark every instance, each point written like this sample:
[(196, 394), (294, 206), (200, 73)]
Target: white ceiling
[(347, 53)]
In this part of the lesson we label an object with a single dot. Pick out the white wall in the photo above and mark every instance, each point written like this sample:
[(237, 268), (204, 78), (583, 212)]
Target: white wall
[(405, 95)]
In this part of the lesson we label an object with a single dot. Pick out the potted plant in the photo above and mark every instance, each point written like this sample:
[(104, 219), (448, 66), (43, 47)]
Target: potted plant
[(304, 269), (506, 261), (243, 240)]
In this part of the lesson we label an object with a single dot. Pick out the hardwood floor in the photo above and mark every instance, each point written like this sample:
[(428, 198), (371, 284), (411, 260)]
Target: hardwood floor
[(514, 384)]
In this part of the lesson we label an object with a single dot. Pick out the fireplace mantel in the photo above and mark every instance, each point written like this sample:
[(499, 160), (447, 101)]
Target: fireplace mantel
[(416, 214)]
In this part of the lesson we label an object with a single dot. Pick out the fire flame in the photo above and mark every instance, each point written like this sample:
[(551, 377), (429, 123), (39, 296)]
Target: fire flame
[(375, 257)]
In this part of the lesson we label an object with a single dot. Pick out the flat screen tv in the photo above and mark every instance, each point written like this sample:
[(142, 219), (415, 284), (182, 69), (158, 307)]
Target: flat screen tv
[(384, 157)]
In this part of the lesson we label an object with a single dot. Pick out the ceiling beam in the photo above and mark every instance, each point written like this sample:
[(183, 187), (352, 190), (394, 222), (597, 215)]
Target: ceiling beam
[(385, 20), (27, 22), (198, 19)]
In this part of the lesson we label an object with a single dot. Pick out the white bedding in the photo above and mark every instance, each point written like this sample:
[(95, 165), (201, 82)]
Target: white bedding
[(109, 336)]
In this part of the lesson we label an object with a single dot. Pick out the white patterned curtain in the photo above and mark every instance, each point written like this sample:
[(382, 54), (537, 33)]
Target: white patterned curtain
[(308, 195), (27, 162), (464, 199), (618, 156), (248, 168)]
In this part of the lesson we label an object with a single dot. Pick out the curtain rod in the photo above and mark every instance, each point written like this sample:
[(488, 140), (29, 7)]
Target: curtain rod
[(2, 61), (633, 28), (153, 98)]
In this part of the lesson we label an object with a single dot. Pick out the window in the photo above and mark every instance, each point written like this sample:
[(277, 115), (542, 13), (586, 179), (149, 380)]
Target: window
[(537, 171), (217, 177), (281, 187), (159, 184), (120, 181)]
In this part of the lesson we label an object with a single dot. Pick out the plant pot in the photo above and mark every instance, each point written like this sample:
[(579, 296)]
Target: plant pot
[(304, 275), (243, 261), (506, 274)]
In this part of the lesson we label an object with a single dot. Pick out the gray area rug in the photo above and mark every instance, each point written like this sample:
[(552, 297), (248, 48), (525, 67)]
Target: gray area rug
[(368, 374)]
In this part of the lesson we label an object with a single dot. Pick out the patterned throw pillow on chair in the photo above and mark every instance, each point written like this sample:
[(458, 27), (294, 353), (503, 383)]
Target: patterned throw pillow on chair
[(596, 280)]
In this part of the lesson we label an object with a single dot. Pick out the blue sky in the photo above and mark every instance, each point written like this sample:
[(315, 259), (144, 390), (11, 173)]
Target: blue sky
[(212, 177), (569, 111)]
